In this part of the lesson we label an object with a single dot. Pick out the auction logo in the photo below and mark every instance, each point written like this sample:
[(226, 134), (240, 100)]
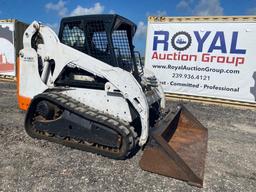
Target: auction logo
[(211, 47), (181, 41)]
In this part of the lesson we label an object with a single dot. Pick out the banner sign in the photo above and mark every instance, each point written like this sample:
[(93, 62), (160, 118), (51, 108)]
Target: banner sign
[(204, 59), (7, 50)]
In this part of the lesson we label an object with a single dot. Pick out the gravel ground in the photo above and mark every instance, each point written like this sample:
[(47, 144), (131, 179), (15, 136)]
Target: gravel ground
[(28, 164)]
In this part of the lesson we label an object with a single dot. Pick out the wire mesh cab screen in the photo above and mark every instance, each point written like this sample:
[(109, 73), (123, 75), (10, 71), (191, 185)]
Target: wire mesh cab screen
[(73, 35), (122, 49), (105, 40), (98, 42)]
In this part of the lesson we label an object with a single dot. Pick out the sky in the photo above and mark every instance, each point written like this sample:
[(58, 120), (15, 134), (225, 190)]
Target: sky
[(50, 12)]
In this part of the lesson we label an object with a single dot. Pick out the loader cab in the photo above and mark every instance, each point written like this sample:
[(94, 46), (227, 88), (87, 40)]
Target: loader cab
[(104, 37)]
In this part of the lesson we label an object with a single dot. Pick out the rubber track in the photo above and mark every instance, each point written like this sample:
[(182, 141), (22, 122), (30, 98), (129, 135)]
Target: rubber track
[(129, 136)]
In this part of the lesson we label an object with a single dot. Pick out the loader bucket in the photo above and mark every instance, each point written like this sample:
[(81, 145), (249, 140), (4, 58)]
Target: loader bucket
[(177, 148)]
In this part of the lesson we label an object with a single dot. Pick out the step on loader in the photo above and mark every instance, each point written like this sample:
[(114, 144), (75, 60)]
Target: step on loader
[(86, 89)]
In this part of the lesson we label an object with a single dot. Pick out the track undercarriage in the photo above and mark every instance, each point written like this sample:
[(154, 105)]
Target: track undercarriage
[(58, 118)]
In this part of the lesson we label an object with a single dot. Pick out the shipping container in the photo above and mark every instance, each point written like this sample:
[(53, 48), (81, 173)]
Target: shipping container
[(11, 36)]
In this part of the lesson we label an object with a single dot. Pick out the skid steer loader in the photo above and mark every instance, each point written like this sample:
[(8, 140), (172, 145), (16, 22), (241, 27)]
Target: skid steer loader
[(86, 90)]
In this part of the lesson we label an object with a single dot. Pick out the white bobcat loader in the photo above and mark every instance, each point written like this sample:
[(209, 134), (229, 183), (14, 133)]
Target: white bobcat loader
[(85, 90)]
